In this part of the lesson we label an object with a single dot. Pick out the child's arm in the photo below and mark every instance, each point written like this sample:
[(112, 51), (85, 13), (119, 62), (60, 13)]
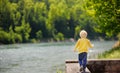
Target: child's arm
[(90, 45), (76, 46)]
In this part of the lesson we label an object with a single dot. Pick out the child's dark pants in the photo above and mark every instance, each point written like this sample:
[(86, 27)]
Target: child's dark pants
[(82, 57)]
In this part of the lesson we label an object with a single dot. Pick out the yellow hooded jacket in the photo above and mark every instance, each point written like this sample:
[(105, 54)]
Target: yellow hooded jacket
[(82, 45)]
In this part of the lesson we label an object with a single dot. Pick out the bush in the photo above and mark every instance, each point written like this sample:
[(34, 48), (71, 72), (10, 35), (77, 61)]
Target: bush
[(4, 37), (39, 35), (59, 37), (18, 38), (9, 37), (33, 41)]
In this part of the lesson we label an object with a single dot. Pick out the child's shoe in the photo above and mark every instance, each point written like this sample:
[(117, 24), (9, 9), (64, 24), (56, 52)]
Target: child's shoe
[(81, 68)]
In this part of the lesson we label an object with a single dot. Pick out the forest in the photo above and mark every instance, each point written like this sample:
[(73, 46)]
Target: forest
[(23, 21)]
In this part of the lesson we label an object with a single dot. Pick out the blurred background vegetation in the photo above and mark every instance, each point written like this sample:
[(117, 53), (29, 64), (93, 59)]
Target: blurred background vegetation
[(24, 21), (111, 54)]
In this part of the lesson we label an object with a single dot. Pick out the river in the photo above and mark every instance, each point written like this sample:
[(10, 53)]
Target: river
[(43, 57)]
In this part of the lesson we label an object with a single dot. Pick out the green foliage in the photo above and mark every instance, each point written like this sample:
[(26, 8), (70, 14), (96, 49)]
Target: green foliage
[(106, 14), (23, 30), (4, 14), (14, 37), (9, 37), (77, 31), (59, 37), (39, 34), (59, 71), (18, 38), (25, 18), (33, 41), (118, 36), (4, 37), (14, 14), (113, 53)]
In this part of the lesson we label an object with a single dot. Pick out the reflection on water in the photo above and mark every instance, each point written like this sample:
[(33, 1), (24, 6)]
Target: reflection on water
[(43, 57)]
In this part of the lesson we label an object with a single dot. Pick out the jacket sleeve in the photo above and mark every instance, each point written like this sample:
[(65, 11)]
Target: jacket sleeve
[(89, 44), (76, 45)]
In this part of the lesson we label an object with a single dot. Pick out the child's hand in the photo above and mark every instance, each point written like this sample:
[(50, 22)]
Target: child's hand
[(74, 50), (92, 45)]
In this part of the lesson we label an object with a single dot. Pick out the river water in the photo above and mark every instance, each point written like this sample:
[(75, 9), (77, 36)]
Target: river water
[(43, 57)]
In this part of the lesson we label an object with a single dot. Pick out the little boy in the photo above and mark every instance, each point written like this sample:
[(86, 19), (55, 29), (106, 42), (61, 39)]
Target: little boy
[(81, 47)]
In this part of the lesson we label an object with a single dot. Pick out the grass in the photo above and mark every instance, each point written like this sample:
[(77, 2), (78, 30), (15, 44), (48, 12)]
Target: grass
[(59, 71), (114, 53)]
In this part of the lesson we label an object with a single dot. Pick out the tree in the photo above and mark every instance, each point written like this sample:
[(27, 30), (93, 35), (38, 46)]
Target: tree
[(106, 13), (37, 19), (53, 19), (23, 30), (14, 15), (4, 15)]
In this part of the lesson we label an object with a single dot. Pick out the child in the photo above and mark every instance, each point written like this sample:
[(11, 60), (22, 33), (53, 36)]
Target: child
[(81, 47)]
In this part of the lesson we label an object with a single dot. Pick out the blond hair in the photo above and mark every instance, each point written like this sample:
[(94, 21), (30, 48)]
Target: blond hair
[(83, 34)]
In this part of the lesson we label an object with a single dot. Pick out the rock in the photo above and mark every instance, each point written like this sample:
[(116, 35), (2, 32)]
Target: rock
[(117, 44)]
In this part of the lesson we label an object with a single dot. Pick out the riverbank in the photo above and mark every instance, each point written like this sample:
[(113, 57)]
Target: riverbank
[(112, 53)]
